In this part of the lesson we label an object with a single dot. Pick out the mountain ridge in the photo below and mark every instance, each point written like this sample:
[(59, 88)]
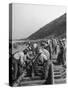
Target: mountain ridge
[(55, 28)]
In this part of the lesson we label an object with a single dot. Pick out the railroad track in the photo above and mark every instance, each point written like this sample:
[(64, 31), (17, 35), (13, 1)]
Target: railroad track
[(58, 77)]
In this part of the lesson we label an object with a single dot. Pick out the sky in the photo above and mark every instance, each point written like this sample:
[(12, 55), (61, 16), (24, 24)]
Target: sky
[(28, 18)]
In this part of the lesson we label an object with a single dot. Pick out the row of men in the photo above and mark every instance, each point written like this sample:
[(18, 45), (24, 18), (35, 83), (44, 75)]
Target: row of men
[(55, 47)]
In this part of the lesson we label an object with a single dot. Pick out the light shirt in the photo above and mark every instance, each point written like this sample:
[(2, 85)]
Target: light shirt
[(19, 55), (44, 54)]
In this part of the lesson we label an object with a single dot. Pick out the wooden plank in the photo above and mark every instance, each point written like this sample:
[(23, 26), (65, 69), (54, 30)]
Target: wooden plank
[(32, 82)]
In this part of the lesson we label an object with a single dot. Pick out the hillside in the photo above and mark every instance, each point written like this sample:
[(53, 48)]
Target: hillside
[(56, 28)]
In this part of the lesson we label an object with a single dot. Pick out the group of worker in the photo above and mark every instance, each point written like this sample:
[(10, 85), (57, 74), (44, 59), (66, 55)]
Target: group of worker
[(39, 54)]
